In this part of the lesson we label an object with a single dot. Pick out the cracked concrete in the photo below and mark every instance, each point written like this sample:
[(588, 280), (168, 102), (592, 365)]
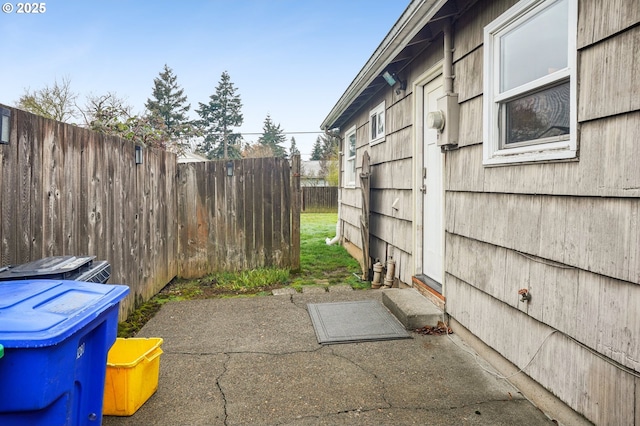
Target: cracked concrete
[(256, 361)]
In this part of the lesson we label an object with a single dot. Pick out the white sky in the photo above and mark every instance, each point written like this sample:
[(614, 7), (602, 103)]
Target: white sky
[(292, 59)]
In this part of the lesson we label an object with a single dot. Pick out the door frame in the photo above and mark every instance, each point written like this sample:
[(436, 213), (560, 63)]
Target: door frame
[(418, 164)]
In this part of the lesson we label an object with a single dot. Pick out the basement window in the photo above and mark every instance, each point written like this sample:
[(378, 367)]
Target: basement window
[(376, 124), (350, 157), (530, 83)]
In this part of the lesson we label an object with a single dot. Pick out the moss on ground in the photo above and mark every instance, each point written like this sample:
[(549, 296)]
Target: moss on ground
[(320, 265)]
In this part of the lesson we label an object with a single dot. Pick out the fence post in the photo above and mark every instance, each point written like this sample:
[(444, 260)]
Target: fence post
[(296, 198)]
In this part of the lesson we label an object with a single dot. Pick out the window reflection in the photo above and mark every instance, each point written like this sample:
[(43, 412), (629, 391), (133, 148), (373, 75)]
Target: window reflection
[(535, 48), (540, 115)]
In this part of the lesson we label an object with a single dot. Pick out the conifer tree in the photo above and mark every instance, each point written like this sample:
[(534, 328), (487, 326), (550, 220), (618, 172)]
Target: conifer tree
[(217, 120), (273, 136), (316, 153), (293, 148), (168, 104)]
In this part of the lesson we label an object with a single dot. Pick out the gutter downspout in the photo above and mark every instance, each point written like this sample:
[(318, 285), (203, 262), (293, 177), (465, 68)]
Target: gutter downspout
[(335, 239), (448, 59)]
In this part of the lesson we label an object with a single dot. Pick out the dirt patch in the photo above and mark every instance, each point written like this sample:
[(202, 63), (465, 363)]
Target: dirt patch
[(179, 289), (206, 288)]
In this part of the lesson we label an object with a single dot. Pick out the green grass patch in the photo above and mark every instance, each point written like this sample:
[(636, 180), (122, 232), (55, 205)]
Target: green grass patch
[(319, 262), (320, 265)]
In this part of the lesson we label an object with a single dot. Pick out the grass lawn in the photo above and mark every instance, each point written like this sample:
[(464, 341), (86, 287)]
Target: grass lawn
[(320, 265)]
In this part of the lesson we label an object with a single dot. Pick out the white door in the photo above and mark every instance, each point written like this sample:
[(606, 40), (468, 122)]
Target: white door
[(433, 191)]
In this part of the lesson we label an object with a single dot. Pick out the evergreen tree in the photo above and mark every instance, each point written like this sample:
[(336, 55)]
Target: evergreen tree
[(330, 155), (168, 104), (328, 145), (273, 136), (316, 153), (293, 149), (217, 120)]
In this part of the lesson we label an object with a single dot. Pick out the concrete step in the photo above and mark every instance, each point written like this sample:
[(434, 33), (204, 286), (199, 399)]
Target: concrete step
[(411, 308)]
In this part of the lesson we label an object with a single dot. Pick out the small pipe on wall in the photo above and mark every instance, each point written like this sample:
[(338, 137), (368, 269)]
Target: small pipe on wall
[(448, 58)]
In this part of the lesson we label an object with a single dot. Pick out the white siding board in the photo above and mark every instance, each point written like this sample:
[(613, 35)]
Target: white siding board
[(468, 31), (470, 122), (396, 232), (352, 197), (397, 146), (608, 165), (464, 170), (608, 74), (637, 401), (598, 311), (588, 310), (553, 231), (598, 234), (619, 341), (610, 148), (352, 234), (350, 215), (478, 263), (590, 385), (377, 249), (594, 25), (393, 175), (404, 268), (400, 114), (382, 202), (468, 73)]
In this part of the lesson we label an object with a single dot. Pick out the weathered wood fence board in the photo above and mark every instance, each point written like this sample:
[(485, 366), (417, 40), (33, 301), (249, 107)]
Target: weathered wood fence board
[(296, 197), (231, 223), (319, 198), (69, 191)]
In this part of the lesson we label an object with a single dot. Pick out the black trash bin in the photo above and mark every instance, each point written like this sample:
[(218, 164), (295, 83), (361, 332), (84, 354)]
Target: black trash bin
[(73, 268)]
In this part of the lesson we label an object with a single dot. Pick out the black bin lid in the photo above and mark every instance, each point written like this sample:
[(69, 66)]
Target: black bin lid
[(49, 266)]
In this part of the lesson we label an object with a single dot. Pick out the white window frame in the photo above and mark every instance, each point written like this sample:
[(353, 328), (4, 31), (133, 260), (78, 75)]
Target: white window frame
[(375, 136), (350, 161), (493, 153)]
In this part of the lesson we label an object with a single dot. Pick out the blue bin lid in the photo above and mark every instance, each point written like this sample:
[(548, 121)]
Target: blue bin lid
[(35, 313)]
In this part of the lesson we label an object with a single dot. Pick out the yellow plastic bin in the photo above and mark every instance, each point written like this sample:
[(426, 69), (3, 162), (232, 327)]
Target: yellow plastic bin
[(133, 366)]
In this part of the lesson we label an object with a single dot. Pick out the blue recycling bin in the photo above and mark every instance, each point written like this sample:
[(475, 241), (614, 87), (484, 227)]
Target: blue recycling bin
[(56, 336)]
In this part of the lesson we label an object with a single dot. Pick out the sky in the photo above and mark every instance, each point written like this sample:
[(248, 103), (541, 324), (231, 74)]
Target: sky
[(290, 59)]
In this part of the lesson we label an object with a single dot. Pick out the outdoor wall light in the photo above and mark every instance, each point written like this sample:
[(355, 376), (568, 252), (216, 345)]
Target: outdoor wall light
[(229, 168), (138, 154), (5, 125), (392, 79)]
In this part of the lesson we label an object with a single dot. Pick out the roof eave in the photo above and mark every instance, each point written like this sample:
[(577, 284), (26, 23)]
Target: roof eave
[(416, 16)]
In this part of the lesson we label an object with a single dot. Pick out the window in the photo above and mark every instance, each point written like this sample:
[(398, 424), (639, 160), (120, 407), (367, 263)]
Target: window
[(376, 123), (350, 157), (530, 83)]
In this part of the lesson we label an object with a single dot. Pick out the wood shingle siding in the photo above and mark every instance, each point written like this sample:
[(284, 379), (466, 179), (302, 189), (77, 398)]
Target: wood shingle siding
[(608, 76), (596, 234), (585, 381), (568, 230), (599, 20), (608, 166)]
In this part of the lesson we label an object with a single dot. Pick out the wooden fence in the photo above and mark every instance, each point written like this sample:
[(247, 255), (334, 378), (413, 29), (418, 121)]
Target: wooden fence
[(237, 215), (69, 191), (320, 199)]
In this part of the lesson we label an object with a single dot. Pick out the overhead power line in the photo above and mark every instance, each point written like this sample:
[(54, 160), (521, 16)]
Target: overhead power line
[(285, 133)]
